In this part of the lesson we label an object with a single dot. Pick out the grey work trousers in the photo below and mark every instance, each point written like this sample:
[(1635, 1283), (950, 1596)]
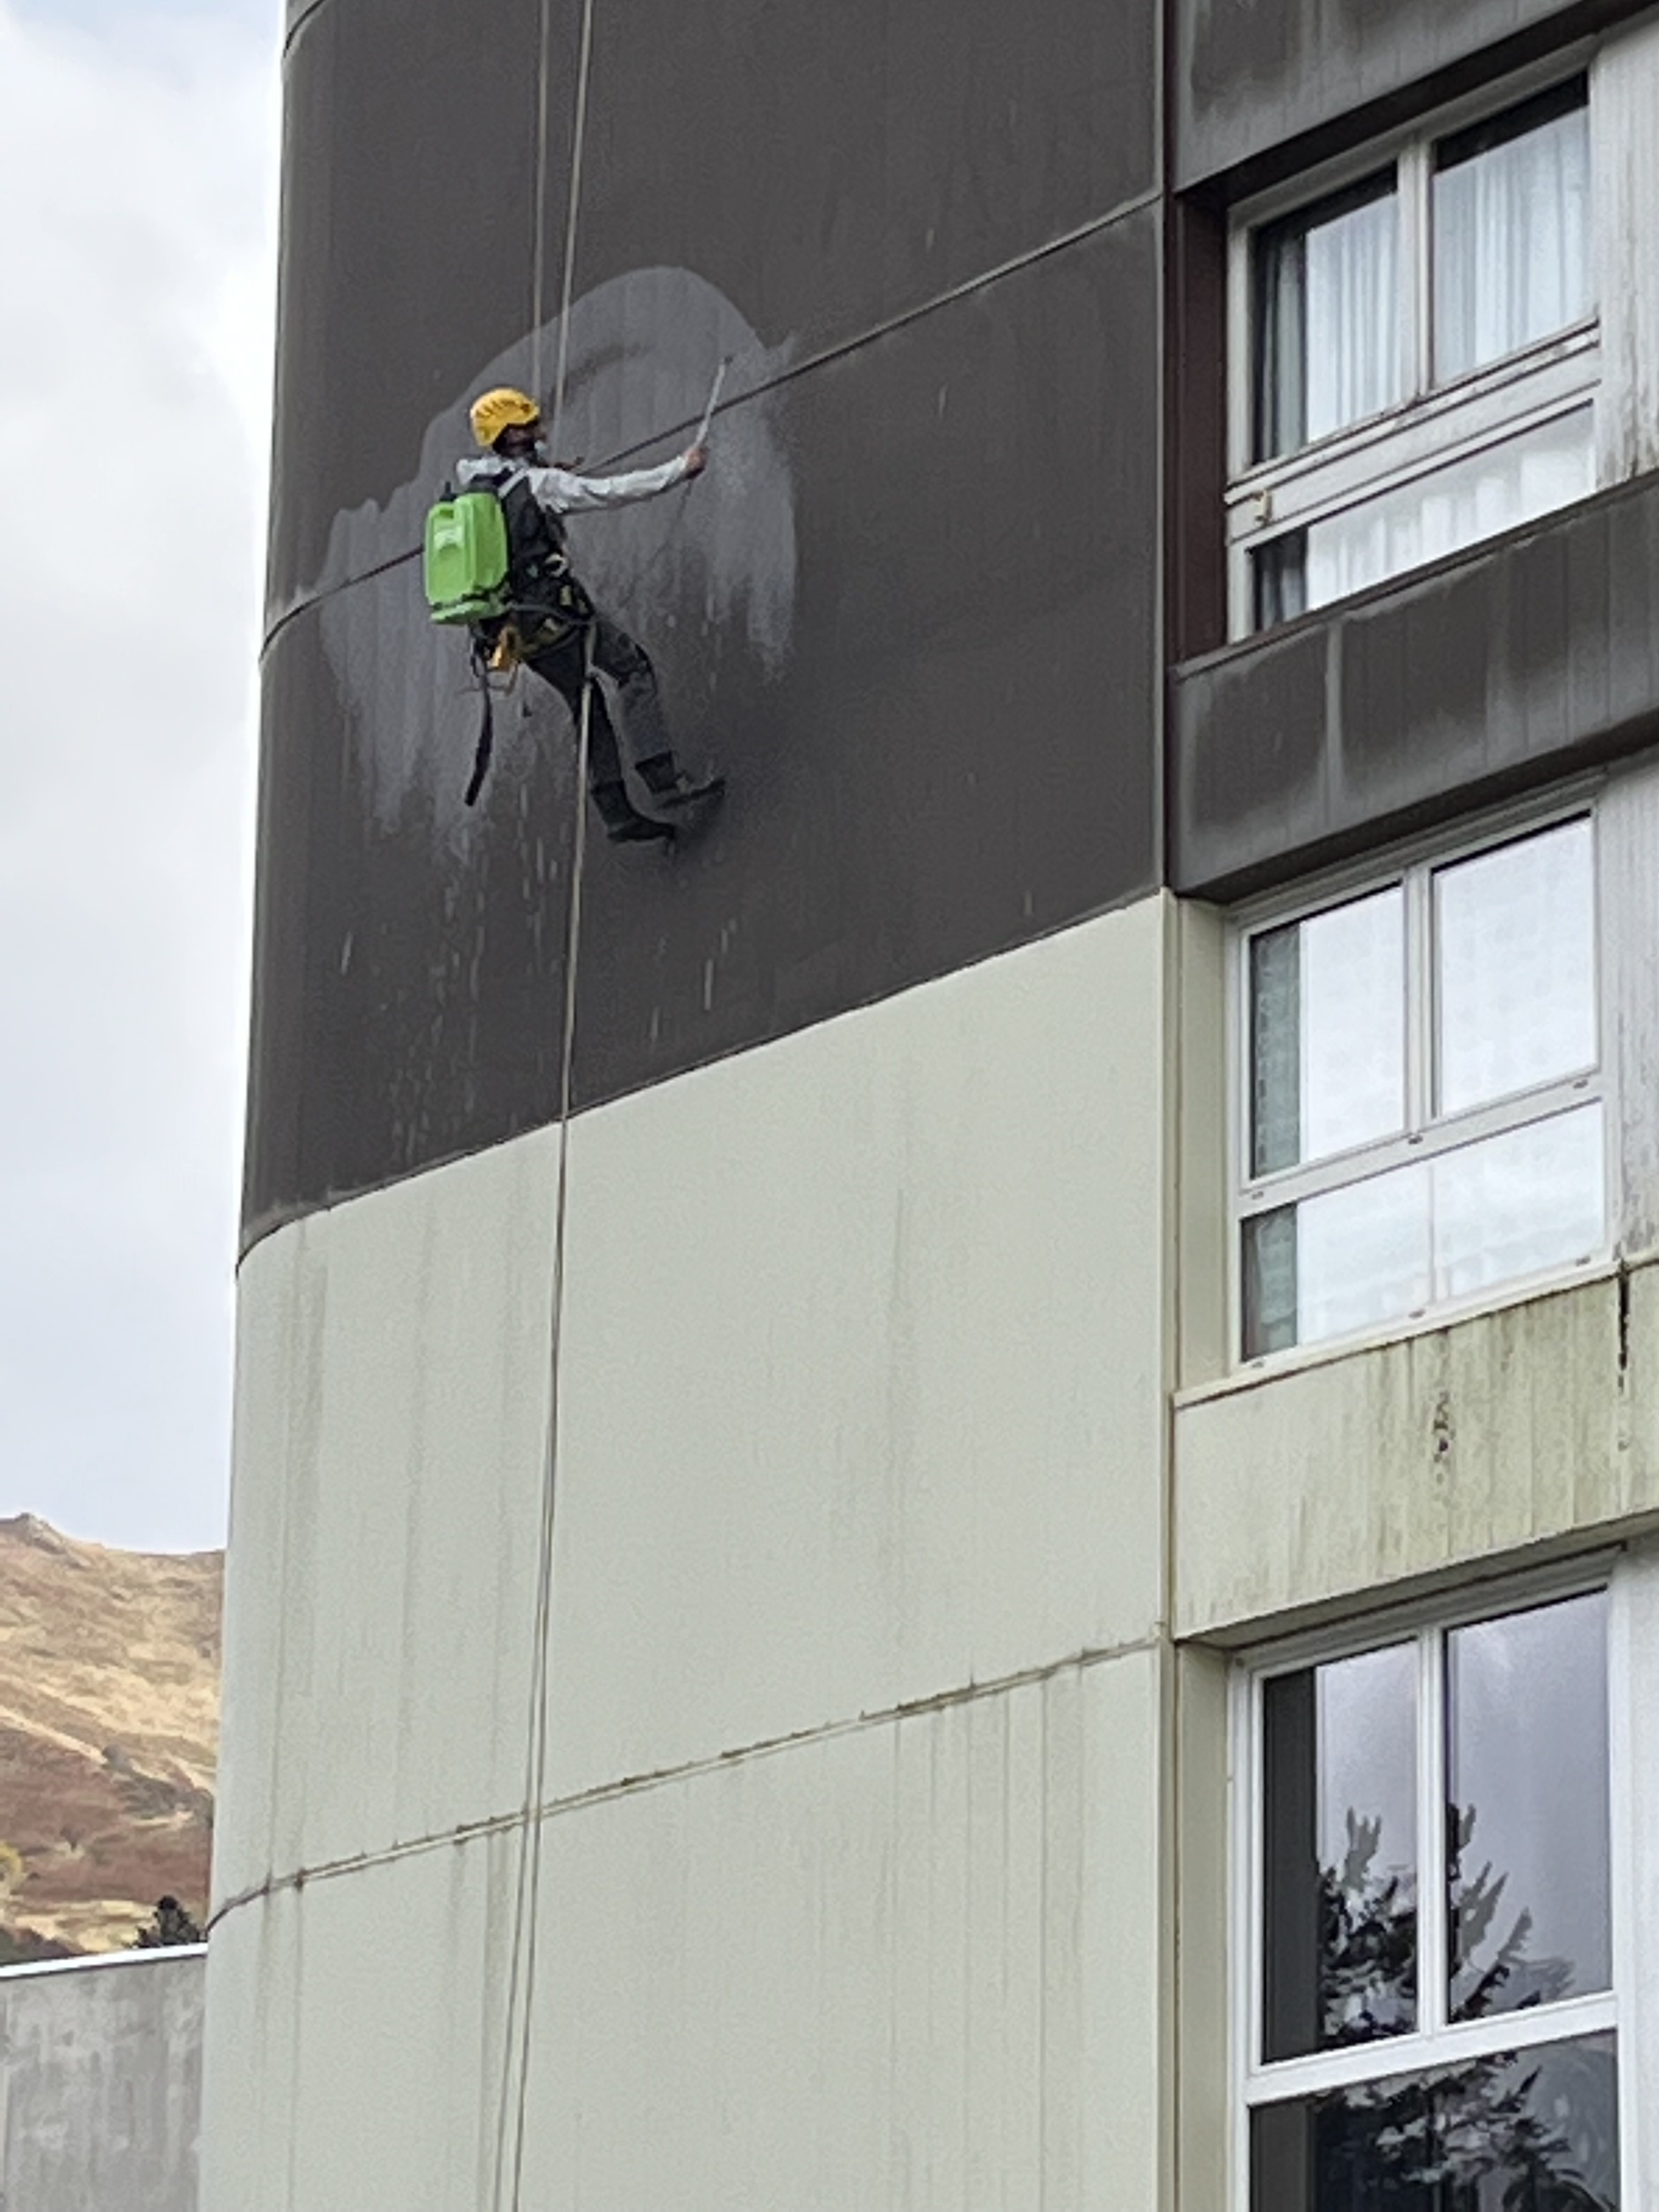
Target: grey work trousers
[(618, 656)]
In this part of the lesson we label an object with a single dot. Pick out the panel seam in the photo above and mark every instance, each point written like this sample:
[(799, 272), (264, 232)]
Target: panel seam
[(299, 24), (269, 1224), (791, 372), (606, 1793)]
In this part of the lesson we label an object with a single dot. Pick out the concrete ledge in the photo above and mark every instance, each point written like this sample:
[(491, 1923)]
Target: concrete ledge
[(1531, 1427), (1531, 656), (88, 1962)]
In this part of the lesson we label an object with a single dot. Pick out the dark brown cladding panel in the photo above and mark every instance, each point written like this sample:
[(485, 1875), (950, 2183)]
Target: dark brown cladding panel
[(833, 166), (914, 610), (408, 246), (1514, 664), (1265, 83), (824, 170), (932, 677)]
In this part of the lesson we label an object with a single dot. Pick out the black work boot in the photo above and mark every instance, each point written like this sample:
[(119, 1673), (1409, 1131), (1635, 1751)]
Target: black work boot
[(670, 786), (623, 823)]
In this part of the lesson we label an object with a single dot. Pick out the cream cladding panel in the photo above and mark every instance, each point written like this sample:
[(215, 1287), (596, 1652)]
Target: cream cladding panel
[(860, 1385), (861, 1363), (913, 1964), (392, 1408)]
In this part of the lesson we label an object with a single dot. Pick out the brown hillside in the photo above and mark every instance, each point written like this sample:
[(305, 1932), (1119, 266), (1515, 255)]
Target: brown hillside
[(109, 1720)]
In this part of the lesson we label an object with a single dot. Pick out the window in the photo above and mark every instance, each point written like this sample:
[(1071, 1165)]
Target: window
[(1432, 2022), (1422, 1112), (1423, 355)]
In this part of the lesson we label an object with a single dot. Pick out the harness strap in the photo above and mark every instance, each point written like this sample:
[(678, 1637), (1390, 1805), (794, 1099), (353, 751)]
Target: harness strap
[(486, 744), (549, 607)]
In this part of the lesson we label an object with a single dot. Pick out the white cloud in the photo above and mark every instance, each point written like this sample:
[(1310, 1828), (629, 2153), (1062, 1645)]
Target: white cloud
[(136, 261)]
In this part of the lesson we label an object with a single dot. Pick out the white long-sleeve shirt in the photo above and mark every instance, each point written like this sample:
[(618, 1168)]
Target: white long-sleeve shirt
[(560, 491)]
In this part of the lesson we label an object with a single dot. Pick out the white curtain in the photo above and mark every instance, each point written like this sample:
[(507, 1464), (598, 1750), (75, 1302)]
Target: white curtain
[(1353, 316), (1511, 245), (1457, 506), (1327, 302)]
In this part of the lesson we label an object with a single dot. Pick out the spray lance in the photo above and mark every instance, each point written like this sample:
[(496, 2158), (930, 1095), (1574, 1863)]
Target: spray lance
[(714, 391), (706, 418)]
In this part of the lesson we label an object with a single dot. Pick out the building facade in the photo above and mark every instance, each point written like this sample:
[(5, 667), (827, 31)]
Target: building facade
[(947, 1500)]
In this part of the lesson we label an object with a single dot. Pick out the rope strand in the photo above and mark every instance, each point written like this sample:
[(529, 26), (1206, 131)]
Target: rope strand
[(521, 1983), (549, 1493)]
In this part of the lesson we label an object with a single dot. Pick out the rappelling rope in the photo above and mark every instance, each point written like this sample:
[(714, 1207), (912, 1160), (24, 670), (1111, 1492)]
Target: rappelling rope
[(527, 1902), (521, 1983)]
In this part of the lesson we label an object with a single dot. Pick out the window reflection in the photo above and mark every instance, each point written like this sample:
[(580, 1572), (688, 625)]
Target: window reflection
[(1328, 1032), (1533, 2131), (1527, 1816), (1498, 2099), (1514, 960), (1535, 1198), (1371, 1252), (1340, 1775), (1364, 1254)]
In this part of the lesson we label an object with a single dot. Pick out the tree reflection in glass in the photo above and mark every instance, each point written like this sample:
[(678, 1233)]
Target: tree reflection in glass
[(1341, 1885), (1526, 1907), (1528, 2131), (1527, 1790)]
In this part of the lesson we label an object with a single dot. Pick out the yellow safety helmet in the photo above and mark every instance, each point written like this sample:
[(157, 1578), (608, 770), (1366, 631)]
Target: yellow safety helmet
[(498, 411)]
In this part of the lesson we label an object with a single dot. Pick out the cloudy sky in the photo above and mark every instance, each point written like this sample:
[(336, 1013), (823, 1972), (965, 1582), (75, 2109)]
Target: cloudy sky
[(136, 212)]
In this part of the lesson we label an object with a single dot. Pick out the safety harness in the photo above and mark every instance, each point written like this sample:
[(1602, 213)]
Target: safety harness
[(519, 598)]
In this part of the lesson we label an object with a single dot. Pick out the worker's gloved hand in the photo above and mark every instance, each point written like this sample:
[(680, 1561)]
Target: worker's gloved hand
[(696, 460)]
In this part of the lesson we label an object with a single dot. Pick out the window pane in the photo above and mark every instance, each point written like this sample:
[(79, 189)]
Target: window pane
[(1526, 2131), (1515, 939), (1280, 570), (1328, 1034), (1354, 1022), (1269, 1273), (1375, 1251), (1340, 1853), (1526, 1815), (1512, 237), (1349, 1260), (1326, 317), (1362, 1254), (1275, 1049), (1532, 1199), (1455, 507)]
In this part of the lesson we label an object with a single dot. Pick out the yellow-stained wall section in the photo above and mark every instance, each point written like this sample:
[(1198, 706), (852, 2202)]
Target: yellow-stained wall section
[(1531, 1427)]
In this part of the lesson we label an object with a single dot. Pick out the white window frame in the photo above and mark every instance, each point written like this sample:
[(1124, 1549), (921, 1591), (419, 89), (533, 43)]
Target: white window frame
[(1423, 1138), (1432, 426), (1435, 2042)]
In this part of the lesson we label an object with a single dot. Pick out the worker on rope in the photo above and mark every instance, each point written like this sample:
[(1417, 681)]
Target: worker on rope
[(554, 627)]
